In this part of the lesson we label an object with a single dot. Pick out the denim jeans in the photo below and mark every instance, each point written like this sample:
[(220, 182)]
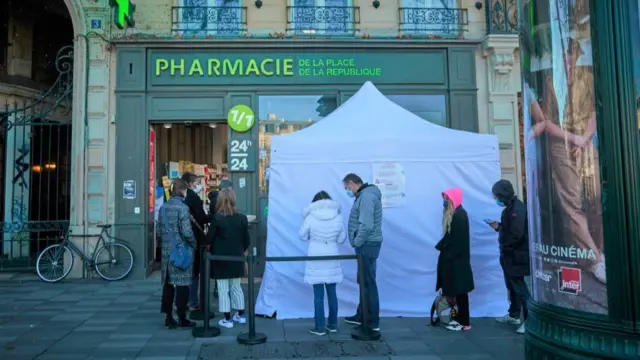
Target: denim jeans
[(193, 291), (318, 302), (369, 257)]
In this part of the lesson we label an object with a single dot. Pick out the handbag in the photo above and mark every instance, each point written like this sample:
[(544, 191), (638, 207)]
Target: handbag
[(181, 252), (440, 305)]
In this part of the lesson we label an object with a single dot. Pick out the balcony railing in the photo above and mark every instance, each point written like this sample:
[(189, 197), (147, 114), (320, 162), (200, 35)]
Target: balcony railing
[(439, 22), (502, 16), (323, 20), (209, 20)]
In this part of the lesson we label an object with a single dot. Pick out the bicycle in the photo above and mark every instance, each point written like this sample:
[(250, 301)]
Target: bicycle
[(114, 252)]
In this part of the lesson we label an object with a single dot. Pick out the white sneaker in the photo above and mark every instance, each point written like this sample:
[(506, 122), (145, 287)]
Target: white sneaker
[(226, 323), (240, 319), (507, 319), (456, 326), (521, 329)]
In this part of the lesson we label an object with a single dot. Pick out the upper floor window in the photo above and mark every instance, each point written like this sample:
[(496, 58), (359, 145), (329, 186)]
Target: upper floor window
[(323, 17), (209, 17), (436, 17)]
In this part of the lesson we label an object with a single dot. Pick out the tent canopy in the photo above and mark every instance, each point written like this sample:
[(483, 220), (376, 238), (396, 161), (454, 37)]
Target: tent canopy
[(366, 134), (375, 128)]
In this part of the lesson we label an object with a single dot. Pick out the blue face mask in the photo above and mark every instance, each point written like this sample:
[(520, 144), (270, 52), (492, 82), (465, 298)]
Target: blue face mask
[(500, 203), (445, 204), (349, 193)]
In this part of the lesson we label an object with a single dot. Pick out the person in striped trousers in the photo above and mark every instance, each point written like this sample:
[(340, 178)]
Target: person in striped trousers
[(229, 235)]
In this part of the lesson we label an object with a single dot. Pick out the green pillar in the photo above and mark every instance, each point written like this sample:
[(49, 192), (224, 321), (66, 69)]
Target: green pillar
[(583, 176)]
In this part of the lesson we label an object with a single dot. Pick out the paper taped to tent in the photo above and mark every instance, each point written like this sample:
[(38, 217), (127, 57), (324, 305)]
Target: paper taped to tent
[(413, 162)]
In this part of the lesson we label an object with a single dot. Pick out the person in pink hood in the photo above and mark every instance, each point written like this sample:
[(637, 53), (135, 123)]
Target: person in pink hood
[(455, 277)]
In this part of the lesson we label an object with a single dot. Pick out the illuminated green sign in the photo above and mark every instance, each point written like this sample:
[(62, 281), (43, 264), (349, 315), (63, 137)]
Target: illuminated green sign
[(264, 67), (198, 67), (123, 13)]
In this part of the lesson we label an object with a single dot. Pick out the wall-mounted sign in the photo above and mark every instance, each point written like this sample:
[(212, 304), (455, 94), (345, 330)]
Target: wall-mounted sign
[(123, 13), (199, 67), (241, 118), (241, 155), (129, 189)]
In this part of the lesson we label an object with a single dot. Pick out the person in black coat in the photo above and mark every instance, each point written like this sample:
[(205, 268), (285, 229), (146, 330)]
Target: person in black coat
[(213, 199), (199, 221), (455, 277), (514, 250), (213, 196), (229, 235)]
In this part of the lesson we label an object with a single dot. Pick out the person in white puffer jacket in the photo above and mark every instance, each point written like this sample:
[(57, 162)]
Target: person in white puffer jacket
[(324, 229)]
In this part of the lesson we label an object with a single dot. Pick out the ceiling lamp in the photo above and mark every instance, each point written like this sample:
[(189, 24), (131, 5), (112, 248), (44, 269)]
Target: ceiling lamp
[(166, 126), (213, 125)]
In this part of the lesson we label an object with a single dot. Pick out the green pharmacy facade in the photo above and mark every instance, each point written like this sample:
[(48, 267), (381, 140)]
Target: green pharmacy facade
[(580, 64), (218, 104)]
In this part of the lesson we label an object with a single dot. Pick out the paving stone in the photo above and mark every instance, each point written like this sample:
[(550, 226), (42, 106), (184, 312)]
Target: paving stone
[(99, 320), (409, 347)]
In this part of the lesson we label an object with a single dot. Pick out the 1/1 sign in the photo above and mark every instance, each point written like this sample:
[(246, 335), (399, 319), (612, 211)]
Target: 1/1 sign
[(240, 155), (240, 118)]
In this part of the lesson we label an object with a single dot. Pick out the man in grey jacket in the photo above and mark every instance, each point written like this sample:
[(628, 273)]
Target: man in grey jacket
[(365, 235)]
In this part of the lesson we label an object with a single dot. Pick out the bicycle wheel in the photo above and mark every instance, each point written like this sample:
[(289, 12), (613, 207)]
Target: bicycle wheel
[(52, 262), (113, 261)]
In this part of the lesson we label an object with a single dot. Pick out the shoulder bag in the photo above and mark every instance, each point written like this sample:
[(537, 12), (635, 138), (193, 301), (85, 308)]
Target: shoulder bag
[(181, 252)]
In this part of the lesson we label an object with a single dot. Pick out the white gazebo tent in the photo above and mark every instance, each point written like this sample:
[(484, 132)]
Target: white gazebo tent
[(366, 131)]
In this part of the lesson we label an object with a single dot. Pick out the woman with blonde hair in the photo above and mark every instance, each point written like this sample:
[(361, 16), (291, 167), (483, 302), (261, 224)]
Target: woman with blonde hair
[(229, 235), (455, 276)]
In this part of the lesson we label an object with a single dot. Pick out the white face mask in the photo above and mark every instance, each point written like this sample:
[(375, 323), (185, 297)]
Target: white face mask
[(197, 188)]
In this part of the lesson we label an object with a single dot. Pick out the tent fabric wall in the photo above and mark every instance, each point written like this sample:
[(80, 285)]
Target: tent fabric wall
[(364, 131)]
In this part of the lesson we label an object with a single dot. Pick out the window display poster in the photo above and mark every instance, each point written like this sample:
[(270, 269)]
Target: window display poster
[(390, 179), (152, 170), (562, 162)]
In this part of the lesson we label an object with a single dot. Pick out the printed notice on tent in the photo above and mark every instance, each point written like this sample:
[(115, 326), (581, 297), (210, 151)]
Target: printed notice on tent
[(389, 178)]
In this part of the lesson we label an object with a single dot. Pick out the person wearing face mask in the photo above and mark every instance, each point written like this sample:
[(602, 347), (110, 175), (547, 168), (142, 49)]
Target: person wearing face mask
[(199, 220), (174, 228), (365, 235), (514, 250), (455, 276)]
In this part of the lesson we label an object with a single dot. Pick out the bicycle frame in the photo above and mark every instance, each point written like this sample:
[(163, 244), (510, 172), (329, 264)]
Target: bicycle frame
[(86, 260)]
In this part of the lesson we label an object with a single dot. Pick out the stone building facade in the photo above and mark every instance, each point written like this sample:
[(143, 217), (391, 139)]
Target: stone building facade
[(486, 27)]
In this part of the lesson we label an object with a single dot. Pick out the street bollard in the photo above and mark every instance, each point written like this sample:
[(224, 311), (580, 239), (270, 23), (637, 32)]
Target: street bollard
[(252, 337), (206, 331), (199, 315)]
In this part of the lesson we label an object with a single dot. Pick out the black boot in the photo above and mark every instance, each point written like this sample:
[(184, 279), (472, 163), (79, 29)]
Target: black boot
[(170, 322), (185, 324)]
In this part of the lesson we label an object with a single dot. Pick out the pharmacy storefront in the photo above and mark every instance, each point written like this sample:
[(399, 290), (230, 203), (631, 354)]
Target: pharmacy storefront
[(213, 113)]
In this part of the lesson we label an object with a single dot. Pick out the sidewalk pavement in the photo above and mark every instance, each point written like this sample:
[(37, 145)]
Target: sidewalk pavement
[(93, 319)]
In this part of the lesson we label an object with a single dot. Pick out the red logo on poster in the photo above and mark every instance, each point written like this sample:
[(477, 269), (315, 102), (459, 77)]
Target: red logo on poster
[(569, 280)]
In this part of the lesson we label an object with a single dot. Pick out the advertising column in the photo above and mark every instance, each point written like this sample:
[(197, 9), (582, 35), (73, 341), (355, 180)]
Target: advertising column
[(561, 151)]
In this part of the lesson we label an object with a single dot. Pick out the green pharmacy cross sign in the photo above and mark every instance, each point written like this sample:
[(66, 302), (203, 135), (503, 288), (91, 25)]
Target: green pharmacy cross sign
[(123, 13)]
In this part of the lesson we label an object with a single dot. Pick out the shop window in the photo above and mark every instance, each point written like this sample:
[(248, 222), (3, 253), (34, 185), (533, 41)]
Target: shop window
[(322, 17), (210, 17), (435, 17), (284, 114), (432, 108)]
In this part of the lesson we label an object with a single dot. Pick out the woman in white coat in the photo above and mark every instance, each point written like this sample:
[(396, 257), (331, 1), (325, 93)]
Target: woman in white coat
[(324, 229)]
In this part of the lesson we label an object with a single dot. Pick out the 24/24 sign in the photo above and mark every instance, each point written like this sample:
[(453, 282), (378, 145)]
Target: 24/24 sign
[(241, 155), (241, 118)]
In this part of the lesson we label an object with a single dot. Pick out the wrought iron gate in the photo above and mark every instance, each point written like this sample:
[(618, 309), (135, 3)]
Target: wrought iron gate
[(35, 169)]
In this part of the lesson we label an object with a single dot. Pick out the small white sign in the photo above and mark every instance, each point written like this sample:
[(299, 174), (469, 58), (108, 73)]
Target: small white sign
[(136, 210), (242, 182)]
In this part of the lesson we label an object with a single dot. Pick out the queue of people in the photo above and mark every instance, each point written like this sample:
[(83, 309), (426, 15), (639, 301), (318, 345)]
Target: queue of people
[(182, 231), (182, 228)]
